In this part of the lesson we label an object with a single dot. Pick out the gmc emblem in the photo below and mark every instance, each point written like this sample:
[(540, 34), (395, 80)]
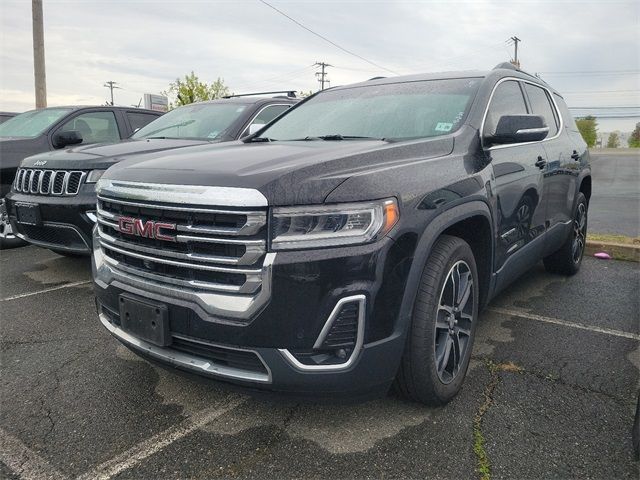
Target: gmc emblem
[(148, 229)]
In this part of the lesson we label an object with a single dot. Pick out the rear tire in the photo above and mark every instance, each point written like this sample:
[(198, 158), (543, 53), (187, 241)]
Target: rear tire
[(12, 242), (443, 325), (567, 260)]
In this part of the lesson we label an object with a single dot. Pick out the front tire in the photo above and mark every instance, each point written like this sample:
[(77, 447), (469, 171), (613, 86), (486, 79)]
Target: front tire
[(568, 259), (443, 325)]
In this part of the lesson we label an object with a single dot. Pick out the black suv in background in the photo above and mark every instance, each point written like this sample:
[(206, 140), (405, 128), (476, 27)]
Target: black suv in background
[(54, 128), (53, 200), (351, 243)]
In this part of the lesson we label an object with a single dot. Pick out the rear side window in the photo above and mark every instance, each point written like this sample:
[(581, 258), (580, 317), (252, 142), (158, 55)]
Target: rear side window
[(95, 127), (139, 120), (567, 118), (540, 105), (507, 100)]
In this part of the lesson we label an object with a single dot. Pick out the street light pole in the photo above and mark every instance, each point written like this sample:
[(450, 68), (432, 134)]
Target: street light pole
[(39, 72)]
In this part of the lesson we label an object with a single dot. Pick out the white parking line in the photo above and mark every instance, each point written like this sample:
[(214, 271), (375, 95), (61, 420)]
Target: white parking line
[(148, 447), (23, 461), (59, 287), (557, 321)]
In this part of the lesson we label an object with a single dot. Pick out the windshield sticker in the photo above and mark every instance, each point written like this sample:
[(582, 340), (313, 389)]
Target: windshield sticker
[(443, 127)]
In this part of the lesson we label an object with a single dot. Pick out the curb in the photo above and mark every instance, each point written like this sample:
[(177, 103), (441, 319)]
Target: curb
[(618, 251)]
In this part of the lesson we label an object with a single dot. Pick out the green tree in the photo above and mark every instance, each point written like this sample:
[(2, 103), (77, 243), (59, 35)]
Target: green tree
[(613, 141), (191, 89), (588, 129), (634, 139)]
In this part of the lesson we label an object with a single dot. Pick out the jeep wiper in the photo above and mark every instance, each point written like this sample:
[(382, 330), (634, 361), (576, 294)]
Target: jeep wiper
[(175, 125)]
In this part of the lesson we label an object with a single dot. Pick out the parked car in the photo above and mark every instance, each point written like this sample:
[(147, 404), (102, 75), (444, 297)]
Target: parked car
[(4, 116), (53, 201), (55, 128), (350, 244)]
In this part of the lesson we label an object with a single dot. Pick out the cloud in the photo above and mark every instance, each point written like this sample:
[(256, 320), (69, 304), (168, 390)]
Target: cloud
[(144, 45)]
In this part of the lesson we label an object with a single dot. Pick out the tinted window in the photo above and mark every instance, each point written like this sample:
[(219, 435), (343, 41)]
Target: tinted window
[(32, 123), (266, 115), (139, 120), (540, 105), (206, 121), (567, 118), (507, 100), (394, 111), (95, 127)]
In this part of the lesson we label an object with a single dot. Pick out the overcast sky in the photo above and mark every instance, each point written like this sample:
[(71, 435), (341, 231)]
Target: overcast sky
[(143, 45)]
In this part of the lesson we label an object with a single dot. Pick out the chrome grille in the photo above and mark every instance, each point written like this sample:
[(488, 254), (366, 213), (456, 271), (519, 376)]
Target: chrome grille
[(48, 182), (215, 250)]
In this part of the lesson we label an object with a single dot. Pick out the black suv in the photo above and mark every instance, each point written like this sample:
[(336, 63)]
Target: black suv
[(53, 201), (350, 244), (54, 128)]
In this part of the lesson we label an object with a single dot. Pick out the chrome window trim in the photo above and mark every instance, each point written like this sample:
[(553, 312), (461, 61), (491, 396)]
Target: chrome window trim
[(486, 112), (158, 193), (187, 361), (362, 300), (532, 130), (250, 122)]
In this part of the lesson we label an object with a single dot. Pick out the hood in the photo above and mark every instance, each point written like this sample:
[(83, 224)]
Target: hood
[(287, 173), (103, 155), (14, 149)]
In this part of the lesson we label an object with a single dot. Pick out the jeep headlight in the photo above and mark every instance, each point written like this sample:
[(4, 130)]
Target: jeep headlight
[(94, 176), (319, 226)]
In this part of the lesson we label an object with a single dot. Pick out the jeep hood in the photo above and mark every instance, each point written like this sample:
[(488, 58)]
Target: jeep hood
[(287, 173), (103, 155)]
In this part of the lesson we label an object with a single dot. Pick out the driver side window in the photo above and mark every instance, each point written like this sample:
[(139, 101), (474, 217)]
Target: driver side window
[(507, 100), (95, 127)]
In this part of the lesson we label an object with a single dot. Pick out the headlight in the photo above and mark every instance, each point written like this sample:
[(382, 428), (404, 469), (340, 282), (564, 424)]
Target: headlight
[(331, 225), (94, 176)]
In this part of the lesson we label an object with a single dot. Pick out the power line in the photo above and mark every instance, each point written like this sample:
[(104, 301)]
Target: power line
[(326, 39)]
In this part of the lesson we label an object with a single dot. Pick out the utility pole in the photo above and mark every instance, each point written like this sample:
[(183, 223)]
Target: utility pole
[(111, 85), (39, 72), (322, 74), (515, 44)]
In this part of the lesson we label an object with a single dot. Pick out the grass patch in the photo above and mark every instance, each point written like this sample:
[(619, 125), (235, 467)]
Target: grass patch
[(608, 238)]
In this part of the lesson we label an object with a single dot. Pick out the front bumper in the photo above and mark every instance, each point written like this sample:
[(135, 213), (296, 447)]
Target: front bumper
[(65, 223), (305, 289)]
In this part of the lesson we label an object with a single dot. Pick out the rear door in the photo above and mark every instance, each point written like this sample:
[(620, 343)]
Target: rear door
[(562, 170), (519, 181)]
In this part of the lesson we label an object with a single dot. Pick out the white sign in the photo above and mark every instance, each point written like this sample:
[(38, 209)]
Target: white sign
[(155, 102)]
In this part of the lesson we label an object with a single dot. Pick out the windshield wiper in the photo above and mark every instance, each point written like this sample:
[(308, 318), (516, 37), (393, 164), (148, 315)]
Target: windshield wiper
[(331, 137), (259, 139), (175, 125)]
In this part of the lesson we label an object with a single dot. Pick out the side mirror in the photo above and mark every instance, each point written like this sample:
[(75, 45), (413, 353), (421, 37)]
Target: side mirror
[(254, 127), (518, 129), (68, 137)]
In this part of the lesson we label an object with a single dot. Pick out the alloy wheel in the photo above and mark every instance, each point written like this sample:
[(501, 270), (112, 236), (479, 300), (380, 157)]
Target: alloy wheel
[(453, 321), (579, 232)]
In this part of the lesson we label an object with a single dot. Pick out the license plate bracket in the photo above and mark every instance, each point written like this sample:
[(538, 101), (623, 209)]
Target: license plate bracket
[(145, 319), (28, 213)]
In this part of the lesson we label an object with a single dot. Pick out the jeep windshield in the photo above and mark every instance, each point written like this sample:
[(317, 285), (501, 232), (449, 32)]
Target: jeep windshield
[(204, 121), (392, 111), (32, 123)]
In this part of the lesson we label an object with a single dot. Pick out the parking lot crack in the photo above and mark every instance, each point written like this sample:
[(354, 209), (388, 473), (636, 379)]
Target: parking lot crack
[(479, 443)]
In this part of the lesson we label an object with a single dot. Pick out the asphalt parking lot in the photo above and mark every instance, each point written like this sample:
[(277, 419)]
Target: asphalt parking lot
[(550, 393)]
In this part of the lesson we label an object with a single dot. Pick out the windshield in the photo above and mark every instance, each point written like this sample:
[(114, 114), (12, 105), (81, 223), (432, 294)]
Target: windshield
[(206, 121), (32, 123), (391, 111)]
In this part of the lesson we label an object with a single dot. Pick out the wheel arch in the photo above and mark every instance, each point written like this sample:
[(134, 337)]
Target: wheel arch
[(459, 221)]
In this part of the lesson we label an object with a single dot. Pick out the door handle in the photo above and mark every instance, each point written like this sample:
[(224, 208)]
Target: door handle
[(541, 163), (575, 155)]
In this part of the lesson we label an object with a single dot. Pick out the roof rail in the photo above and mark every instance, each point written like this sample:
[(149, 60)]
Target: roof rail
[(289, 93), (375, 78)]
